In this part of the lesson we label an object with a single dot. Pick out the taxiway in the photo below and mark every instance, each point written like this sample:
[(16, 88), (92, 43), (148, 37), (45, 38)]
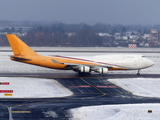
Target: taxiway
[(88, 90)]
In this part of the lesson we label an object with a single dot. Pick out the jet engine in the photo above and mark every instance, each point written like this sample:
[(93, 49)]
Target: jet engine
[(102, 70), (84, 69)]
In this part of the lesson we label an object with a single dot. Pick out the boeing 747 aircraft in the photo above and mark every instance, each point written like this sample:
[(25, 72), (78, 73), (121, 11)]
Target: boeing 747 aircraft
[(87, 64)]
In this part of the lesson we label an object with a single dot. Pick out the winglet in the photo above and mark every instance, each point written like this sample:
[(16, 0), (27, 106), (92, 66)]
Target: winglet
[(19, 48)]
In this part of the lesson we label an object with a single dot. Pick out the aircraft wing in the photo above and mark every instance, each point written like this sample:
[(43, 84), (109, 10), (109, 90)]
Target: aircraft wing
[(87, 68), (84, 68)]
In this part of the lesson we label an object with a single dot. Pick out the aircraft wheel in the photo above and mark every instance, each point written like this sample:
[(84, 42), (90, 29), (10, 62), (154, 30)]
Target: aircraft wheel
[(138, 74), (82, 73)]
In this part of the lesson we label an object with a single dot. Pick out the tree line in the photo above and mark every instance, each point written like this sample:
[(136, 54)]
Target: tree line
[(76, 35)]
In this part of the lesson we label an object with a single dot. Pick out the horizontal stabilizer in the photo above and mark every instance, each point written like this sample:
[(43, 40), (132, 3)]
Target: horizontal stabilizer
[(21, 59)]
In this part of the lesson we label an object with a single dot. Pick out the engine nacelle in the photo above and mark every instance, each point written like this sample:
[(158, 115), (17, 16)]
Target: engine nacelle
[(84, 69), (103, 70)]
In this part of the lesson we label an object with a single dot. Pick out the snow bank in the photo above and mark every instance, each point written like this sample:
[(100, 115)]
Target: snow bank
[(117, 112), (31, 88), (147, 87)]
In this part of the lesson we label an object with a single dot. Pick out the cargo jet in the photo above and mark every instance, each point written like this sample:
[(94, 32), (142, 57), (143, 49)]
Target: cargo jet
[(87, 64)]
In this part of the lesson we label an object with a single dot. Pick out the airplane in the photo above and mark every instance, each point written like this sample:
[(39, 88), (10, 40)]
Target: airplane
[(99, 63)]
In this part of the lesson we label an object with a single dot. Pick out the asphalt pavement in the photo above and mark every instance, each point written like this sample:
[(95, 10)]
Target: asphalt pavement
[(88, 90)]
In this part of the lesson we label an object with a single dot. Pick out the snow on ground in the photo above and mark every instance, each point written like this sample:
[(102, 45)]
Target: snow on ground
[(87, 49), (32, 88), (147, 87), (117, 112), (49, 88)]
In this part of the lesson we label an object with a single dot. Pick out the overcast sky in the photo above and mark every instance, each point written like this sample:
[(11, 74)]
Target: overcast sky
[(88, 11)]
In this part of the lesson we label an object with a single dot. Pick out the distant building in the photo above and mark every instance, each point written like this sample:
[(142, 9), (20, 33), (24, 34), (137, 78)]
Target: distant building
[(132, 45), (103, 34), (153, 38), (125, 37), (146, 36), (71, 34)]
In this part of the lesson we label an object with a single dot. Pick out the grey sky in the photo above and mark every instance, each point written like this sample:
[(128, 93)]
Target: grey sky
[(88, 11)]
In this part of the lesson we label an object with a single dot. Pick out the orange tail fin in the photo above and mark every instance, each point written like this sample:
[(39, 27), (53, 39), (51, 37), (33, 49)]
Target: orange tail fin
[(19, 48)]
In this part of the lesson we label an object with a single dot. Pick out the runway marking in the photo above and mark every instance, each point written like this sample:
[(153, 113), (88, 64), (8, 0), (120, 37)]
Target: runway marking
[(80, 86), (6, 91), (21, 111), (93, 86), (7, 94), (103, 86), (88, 86), (4, 83), (88, 93)]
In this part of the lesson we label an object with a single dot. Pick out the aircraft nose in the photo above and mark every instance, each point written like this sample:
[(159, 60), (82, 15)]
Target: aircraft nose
[(150, 63)]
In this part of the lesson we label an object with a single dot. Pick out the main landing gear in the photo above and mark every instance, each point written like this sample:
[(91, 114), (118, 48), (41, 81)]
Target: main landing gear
[(138, 74), (83, 73)]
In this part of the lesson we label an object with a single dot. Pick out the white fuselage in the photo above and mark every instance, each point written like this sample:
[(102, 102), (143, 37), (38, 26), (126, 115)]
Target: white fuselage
[(124, 61)]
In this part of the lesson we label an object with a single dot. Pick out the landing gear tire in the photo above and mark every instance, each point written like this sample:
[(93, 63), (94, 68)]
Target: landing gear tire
[(82, 73), (138, 74)]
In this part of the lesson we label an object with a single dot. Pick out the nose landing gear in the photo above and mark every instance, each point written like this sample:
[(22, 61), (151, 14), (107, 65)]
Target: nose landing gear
[(138, 74)]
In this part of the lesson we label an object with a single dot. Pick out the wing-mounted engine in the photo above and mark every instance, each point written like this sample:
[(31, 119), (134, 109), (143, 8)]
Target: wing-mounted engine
[(87, 69), (84, 69), (101, 70)]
